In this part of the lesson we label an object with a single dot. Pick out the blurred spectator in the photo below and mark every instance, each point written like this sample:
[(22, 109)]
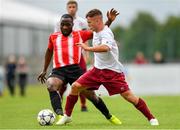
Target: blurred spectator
[(1, 81), (140, 59), (22, 70), (158, 58), (10, 69)]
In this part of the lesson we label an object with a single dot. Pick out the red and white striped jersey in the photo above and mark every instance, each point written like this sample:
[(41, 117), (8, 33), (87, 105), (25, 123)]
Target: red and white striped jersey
[(65, 50)]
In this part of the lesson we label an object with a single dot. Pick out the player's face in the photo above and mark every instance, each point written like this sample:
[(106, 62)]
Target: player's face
[(66, 26), (72, 9), (92, 23)]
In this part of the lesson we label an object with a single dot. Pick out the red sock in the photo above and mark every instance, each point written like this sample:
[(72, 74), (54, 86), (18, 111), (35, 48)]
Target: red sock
[(70, 103), (142, 107), (83, 100)]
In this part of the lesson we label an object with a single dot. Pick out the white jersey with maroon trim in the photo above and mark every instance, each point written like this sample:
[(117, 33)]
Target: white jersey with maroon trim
[(107, 60)]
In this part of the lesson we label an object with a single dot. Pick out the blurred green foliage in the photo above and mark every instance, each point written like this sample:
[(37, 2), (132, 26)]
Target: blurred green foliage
[(147, 35)]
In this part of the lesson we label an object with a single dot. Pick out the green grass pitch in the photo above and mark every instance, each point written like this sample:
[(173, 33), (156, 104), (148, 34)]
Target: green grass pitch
[(21, 113)]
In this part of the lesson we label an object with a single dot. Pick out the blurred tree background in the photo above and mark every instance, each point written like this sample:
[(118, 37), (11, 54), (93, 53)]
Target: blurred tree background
[(147, 35)]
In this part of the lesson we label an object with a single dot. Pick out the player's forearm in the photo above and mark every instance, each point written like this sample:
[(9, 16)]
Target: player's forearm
[(101, 48), (108, 22), (47, 61)]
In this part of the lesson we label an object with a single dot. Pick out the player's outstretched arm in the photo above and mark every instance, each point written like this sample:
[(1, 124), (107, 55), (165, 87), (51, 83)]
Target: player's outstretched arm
[(111, 15), (99, 48), (42, 76)]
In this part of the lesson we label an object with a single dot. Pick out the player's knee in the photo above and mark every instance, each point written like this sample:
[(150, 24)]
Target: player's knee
[(76, 87), (51, 86), (90, 95), (130, 97)]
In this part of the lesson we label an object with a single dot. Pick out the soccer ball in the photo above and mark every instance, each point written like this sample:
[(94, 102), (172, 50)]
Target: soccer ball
[(46, 117)]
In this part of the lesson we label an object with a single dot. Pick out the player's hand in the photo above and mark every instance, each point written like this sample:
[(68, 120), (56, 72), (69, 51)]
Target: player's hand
[(84, 46), (112, 14), (42, 77)]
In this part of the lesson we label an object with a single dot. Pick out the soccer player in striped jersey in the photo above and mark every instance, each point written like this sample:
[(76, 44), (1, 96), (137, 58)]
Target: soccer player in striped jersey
[(79, 24), (107, 70), (66, 57)]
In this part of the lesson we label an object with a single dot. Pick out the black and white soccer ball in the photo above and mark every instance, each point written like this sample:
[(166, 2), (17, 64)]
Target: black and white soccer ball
[(46, 117)]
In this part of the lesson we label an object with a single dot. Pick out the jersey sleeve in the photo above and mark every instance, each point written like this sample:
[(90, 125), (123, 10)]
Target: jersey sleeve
[(86, 35), (50, 44)]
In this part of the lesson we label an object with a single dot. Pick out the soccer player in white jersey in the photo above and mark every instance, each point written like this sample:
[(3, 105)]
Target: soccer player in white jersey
[(107, 70), (79, 24)]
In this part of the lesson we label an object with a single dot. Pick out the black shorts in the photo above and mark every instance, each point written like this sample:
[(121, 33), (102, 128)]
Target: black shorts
[(67, 74)]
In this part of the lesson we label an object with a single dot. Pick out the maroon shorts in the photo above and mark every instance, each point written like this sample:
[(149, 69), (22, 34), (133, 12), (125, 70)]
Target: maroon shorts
[(113, 81)]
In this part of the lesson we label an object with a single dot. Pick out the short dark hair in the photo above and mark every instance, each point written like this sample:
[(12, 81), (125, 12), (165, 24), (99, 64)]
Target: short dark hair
[(67, 16), (94, 12), (72, 2)]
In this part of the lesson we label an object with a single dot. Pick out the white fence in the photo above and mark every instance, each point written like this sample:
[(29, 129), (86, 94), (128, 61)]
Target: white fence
[(152, 79), (1, 79)]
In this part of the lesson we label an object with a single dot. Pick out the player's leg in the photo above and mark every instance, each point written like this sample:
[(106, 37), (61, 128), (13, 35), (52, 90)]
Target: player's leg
[(116, 83), (140, 105), (70, 103), (83, 102), (88, 77), (53, 85), (82, 64), (72, 98), (101, 106), (62, 90), (98, 102), (90, 95)]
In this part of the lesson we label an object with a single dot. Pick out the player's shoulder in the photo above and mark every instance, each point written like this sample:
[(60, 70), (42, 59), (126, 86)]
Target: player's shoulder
[(80, 19), (55, 34), (78, 32), (107, 31), (83, 33)]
